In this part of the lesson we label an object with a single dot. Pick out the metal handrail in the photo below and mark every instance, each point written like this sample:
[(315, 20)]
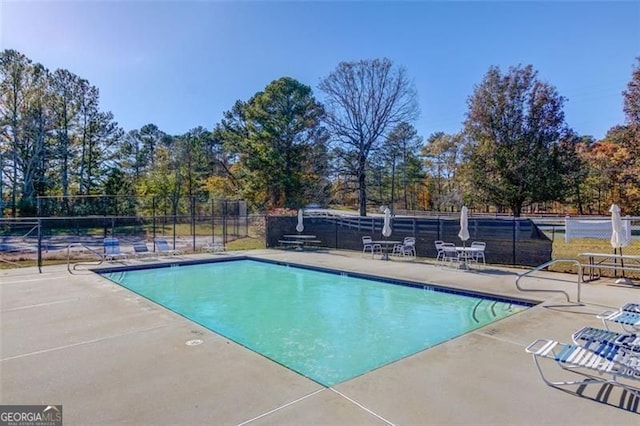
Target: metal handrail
[(98, 255), (549, 263)]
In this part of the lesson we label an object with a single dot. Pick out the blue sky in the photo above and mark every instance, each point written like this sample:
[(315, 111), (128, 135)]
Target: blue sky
[(181, 64)]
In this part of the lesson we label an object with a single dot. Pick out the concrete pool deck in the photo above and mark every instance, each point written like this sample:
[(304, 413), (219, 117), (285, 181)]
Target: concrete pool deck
[(110, 356)]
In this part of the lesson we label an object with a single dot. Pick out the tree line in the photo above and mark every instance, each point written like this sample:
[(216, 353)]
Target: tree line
[(357, 147)]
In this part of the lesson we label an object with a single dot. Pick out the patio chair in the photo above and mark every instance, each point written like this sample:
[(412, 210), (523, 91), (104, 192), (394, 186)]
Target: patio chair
[(478, 253), (439, 250), (407, 248), (162, 246), (627, 317), (368, 245), (450, 253), (112, 250), (141, 250), (596, 362)]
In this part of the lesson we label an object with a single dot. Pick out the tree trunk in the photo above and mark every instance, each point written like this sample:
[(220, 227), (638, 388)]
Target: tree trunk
[(362, 186), (516, 209), (393, 183)]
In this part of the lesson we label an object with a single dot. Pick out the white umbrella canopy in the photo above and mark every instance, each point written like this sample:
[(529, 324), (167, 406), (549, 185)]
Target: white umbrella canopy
[(386, 229), (464, 224), (300, 225), (617, 239)]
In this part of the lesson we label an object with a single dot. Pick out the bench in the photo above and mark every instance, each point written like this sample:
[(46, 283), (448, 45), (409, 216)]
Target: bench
[(599, 261), (290, 243), (298, 241)]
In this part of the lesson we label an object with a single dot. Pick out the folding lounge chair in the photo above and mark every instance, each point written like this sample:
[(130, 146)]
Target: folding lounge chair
[(141, 250), (592, 334), (162, 246), (628, 317), (597, 362), (214, 247), (112, 250)]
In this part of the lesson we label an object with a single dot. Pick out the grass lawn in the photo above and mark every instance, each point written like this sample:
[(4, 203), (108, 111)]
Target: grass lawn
[(563, 250)]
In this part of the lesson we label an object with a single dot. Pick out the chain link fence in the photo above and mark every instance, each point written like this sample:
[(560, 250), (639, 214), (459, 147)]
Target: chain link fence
[(186, 223)]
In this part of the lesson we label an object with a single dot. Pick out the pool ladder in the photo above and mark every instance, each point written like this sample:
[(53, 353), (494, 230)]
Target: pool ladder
[(546, 264), (474, 315)]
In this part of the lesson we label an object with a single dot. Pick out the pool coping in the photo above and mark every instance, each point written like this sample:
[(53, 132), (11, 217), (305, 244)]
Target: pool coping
[(388, 280), (332, 272)]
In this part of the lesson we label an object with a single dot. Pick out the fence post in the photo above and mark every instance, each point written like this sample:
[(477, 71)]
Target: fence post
[(174, 205), (213, 221), (153, 221), (39, 245), (193, 222), (224, 222), (513, 241)]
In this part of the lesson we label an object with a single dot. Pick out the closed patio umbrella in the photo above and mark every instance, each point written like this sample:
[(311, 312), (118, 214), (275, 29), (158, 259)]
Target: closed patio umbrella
[(300, 225), (386, 228), (464, 233), (464, 225), (618, 240)]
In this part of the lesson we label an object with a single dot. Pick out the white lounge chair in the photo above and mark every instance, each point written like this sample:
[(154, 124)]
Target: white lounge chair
[(368, 245), (162, 246), (596, 362), (592, 334), (627, 317), (112, 250)]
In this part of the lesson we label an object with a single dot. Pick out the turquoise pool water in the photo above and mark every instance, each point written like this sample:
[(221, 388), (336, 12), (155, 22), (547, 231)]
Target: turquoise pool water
[(326, 326)]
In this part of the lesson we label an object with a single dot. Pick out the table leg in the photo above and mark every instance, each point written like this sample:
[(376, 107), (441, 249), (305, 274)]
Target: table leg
[(385, 253), (463, 261)]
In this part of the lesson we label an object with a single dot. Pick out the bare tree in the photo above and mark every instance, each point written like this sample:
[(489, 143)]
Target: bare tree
[(364, 101)]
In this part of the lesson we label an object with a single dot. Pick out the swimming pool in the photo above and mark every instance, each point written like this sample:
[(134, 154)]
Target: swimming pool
[(327, 326)]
